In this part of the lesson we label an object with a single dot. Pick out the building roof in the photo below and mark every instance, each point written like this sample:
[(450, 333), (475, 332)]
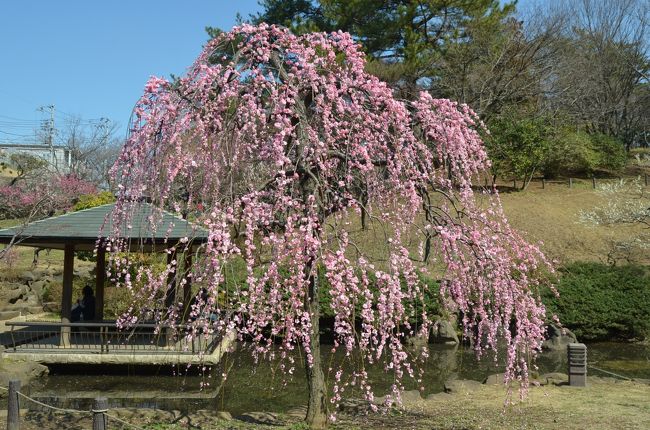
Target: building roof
[(84, 227)]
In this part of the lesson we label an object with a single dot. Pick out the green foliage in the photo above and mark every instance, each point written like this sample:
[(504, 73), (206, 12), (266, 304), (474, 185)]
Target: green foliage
[(611, 151), (602, 302), (27, 163), (583, 153), (88, 201), (405, 40), (518, 146)]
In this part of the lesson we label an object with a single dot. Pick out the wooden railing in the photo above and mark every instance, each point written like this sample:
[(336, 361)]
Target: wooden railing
[(104, 337)]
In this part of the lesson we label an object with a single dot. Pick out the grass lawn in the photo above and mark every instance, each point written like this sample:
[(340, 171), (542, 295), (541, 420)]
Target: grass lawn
[(603, 405)]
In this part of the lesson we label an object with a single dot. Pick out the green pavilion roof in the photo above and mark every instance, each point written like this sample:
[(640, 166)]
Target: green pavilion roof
[(84, 227)]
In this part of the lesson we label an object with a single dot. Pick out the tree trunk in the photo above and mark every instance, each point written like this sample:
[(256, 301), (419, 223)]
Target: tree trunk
[(317, 406)]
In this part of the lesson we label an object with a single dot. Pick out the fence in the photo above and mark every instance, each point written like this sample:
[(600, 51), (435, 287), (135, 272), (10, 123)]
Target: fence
[(104, 338), (571, 182), (99, 412)]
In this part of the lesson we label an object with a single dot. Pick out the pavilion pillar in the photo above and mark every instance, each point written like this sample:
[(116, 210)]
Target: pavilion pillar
[(170, 295), (66, 299), (187, 287), (100, 282)]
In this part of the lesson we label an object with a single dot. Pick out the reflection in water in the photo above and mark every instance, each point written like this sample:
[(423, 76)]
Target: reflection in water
[(264, 387)]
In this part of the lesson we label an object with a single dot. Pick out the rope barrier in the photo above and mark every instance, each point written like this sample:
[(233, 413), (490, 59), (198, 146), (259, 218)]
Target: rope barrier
[(610, 373), (75, 411), (67, 411)]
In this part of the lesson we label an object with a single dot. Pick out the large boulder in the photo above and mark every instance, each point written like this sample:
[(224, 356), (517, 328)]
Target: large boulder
[(25, 371), (28, 276), (558, 338), (12, 292), (444, 331), (38, 287)]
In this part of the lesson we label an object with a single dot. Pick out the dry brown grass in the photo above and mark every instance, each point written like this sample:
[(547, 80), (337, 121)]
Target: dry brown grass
[(603, 404), (551, 215)]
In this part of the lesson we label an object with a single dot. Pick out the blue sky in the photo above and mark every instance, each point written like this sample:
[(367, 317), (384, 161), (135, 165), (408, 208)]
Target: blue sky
[(92, 58)]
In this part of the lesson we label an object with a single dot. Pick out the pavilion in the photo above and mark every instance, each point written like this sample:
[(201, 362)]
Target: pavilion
[(86, 230)]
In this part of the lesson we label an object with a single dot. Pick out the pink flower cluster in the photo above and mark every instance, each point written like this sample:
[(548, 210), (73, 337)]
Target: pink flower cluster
[(41, 195), (274, 143)]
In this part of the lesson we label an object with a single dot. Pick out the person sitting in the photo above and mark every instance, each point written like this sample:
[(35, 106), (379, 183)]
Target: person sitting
[(200, 307), (84, 310)]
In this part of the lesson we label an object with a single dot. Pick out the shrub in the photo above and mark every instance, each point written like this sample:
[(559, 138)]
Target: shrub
[(611, 152), (602, 302), (572, 153), (580, 152), (518, 146), (88, 201)]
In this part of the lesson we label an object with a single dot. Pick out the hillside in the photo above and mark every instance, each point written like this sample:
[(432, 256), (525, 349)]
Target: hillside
[(551, 215)]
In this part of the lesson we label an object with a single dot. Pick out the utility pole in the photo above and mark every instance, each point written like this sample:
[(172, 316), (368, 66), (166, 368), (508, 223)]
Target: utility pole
[(49, 129)]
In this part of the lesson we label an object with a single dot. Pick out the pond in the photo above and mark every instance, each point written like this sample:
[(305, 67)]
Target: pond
[(253, 388)]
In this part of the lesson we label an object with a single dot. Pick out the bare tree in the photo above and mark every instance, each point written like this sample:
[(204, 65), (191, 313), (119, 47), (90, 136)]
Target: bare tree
[(93, 149), (601, 76), (494, 71)]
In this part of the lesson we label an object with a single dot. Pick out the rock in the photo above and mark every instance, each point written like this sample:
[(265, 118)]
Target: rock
[(558, 338), (417, 342), (354, 406), (456, 386), (443, 331), (266, 418), (53, 307), (145, 415), (25, 371), (224, 415), (494, 379), (23, 308), (7, 315), (33, 300), (38, 287), (28, 276), (12, 293), (298, 412), (555, 378)]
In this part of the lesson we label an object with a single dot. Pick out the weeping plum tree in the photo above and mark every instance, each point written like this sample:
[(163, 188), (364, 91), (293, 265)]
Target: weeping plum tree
[(275, 144)]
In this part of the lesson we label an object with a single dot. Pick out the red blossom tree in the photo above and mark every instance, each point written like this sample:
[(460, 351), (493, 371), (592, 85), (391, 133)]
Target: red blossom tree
[(42, 195), (275, 144)]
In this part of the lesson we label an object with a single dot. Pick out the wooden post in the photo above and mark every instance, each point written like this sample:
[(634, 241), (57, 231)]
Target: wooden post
[(100, 420), (514, 184), (593, 182), (570, 182), (66, 299), (13, 406), (543, 183), (646, 179), (100, 281)]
